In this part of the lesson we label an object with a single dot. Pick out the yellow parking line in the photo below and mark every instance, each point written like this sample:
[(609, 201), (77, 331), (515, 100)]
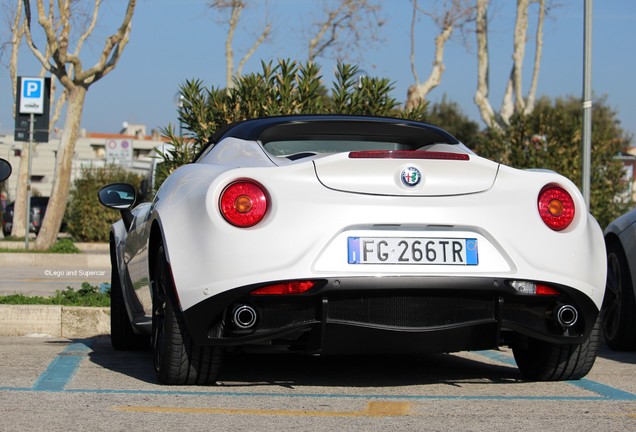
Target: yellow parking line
[(374, 409)]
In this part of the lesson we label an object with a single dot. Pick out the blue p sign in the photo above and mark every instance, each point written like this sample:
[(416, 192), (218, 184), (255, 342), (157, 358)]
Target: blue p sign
[(32, 96), (32, 89)]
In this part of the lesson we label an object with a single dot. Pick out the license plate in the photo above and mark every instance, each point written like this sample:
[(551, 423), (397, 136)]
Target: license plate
[(412, 250)]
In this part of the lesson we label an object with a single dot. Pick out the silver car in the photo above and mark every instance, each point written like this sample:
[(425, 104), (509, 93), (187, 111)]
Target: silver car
[(619, 306)]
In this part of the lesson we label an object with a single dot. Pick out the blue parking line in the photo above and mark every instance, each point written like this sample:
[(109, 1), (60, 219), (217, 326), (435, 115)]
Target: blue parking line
[(602, 390), (63, 368), (325, 395)]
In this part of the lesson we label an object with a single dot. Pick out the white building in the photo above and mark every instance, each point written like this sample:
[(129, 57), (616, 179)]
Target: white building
[(131, 149)]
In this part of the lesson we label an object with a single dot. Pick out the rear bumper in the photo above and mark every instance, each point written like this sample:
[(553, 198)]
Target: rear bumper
[(391, 315)]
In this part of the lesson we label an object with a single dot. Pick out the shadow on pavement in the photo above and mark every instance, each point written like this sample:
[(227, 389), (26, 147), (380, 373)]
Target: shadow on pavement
[(290, 370)]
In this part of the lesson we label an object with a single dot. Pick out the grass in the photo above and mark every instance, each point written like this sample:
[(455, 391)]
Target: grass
[(87, 295)]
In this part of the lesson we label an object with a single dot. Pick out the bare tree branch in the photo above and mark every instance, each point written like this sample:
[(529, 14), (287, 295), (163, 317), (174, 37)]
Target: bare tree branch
[(532, 93), (481, 94), (113, 49), (519, 52), (235, 8), (346, 25), (65, 64), (412, 54), (513, 99), (454, 13), (48, 31), (17, 32), (255, 45), (85, 35), (315, 46)]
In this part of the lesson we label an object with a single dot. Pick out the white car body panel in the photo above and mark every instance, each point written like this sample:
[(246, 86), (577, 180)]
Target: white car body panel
[(439, 177), (574, 257)]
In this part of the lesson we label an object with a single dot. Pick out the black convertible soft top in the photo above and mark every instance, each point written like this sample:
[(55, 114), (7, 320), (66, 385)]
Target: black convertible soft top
[(333, 127)]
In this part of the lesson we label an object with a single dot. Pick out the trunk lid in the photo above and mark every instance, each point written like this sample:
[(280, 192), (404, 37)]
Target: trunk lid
[(412, 173)]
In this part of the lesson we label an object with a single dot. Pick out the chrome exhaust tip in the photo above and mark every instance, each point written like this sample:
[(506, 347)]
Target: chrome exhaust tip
[(566, 315), (244, 317)]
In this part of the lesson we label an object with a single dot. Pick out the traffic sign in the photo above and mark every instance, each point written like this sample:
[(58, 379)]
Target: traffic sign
[(29, 92), (32, 95), (119, 151)]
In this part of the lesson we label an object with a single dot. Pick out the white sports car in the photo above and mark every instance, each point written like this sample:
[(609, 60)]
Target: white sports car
[(342, 234)]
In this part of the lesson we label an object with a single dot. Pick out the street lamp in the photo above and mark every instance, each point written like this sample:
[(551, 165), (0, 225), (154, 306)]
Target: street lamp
[(178, 101), (587, 102)]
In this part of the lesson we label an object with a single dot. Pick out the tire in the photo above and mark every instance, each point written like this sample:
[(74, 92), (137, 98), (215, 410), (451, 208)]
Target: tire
[(122, 336), (177, 359), (619, 306), (544, 361)]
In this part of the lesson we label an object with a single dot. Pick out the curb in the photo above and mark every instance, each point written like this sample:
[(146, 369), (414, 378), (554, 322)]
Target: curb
[(55, 320), (52, 320), (83, 247)]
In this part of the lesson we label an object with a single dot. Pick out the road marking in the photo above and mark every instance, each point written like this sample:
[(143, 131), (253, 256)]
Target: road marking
[(63, 368), (583, 383), (373, 409)]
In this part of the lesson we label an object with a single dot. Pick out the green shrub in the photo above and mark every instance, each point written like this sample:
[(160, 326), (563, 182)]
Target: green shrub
[(550, 138), (87, 295), (86, 219), (282, 89), (64, 245)]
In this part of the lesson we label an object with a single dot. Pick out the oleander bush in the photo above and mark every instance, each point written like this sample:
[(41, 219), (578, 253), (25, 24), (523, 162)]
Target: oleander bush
[(87, 220), (551, 138)]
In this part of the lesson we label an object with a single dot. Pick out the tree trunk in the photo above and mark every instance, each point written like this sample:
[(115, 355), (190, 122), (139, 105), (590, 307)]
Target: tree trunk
[(237, 8), (61, 185), (481, 95), (417, 93), (19, 207), (537, 60)]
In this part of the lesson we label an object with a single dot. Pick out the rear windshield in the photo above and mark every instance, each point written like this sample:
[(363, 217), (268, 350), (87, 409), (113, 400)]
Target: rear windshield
[(287, 148)]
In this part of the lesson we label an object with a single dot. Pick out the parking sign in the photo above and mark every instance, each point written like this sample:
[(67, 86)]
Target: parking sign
[(32, 102), (32, 96)]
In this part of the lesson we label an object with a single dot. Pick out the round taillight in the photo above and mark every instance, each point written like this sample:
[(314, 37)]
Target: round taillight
[(556, 207), (243, 203)]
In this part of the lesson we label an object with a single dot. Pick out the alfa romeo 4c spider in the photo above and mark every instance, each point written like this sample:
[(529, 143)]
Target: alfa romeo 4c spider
[(337, 235)]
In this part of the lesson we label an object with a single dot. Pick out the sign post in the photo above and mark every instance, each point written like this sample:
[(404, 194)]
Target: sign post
[(32, 99)]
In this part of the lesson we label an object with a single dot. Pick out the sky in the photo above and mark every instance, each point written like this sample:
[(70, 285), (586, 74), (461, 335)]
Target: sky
[(173, 41)]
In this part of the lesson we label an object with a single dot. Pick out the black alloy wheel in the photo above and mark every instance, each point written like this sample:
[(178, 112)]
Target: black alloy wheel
[(619, 306), (177, 359)]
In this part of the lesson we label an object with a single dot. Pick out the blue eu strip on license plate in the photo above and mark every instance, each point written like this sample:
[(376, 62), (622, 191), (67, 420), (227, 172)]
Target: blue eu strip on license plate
[(412, 250)]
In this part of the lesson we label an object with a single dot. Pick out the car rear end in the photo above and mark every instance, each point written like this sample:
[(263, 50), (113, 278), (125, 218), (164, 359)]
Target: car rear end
[(385, 251)]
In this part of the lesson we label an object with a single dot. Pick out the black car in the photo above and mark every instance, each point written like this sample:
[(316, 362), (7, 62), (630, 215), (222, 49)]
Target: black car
[(38, 209)]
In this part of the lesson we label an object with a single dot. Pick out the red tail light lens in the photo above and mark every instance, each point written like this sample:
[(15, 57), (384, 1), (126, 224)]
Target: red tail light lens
[(546, 290), (556, 207), (293, 287), (243, 203)]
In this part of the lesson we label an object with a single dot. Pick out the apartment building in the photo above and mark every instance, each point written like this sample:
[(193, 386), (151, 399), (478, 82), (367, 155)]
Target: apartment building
[(131, 148)]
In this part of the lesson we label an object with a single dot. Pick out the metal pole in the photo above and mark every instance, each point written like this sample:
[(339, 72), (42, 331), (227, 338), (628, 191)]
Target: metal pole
[(28, 197), (587, 102)]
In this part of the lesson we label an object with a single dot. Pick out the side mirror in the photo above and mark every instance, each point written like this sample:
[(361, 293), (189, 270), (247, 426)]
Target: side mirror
[(119, 196), (5, 170)]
